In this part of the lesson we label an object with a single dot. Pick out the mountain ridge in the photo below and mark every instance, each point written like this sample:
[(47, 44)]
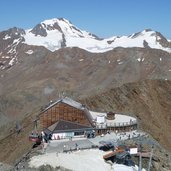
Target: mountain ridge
[(58, 33)]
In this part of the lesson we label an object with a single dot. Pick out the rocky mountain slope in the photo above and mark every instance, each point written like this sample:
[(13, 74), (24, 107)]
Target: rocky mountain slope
[(40, 77), (153, 103), (149, 101)]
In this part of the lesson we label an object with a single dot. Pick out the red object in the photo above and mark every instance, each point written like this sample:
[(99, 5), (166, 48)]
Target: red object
[(34, 138)]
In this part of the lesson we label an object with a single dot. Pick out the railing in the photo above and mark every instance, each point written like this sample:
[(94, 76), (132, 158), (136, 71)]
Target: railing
[(117, 124)]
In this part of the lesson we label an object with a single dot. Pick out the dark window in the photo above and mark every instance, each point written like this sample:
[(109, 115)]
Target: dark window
[(78, 133)]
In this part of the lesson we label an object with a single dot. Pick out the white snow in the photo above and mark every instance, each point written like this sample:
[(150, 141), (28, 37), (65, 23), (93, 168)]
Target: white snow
[(169, 69), (12, 50), (160, 59), (158, 38), (6, 37), (139, 59), (7, 57), (52, 41), (29, 52), (120, 63), (16, 41), (11, 61), (78, 38), (81, 60), (86, 160)]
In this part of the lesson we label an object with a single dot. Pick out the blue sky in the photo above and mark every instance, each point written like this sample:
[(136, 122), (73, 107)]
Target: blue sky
[(104, 18)]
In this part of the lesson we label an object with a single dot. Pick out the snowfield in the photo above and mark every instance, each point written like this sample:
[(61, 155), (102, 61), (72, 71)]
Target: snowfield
[(62, 33)]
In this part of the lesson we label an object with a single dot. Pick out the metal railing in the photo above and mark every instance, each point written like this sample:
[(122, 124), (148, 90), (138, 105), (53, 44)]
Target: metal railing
[(116, 124)]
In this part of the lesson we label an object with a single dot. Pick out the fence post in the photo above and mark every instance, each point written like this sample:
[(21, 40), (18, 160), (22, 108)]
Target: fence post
[(151, 155)]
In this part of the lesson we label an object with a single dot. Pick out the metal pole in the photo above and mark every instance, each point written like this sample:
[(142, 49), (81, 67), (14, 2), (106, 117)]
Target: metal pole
[(140, 159), (140, 162), (151, 155)]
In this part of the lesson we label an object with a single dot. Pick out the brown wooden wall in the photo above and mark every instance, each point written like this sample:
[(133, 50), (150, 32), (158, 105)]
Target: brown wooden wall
[(64, 112)]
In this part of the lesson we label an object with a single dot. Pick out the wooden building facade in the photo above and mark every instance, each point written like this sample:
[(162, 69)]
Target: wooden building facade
[(65, 109)]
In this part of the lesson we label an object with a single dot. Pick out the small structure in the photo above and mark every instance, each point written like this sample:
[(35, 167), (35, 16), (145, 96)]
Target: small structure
[(100, 119), (133, 150), (113, 122), (110, 116), (66, 129)]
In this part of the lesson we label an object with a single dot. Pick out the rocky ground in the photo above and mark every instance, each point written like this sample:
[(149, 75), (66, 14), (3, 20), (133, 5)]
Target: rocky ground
[(161, 158), (149, 100)]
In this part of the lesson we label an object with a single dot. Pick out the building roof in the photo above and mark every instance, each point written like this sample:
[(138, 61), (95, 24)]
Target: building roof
[(68, 101), (66, 126)]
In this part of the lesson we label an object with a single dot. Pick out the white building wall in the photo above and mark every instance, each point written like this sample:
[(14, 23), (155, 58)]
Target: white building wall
[(100, 119), (56, 136), (133, 150)]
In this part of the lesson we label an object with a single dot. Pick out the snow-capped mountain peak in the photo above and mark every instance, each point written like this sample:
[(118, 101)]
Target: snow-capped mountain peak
[(59, 33), (61, 25)]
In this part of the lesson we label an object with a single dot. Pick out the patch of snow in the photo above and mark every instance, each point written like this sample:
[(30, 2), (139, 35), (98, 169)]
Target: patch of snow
[(81, 60), (120, 63), (169, 69), (6, 37), (16, 41), (158, 38), (29, 52), (109, 62), (118, 60), (160, 59), (166, 79), (6, 57), (139, 59), (12, 61), (12, 50), (142, 59), (52, 41)]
